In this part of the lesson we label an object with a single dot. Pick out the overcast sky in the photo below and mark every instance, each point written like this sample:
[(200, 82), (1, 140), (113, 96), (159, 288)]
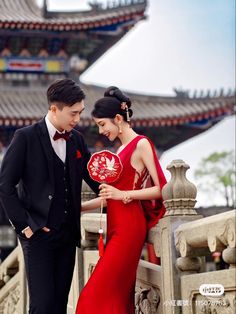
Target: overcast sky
[(184, 44)]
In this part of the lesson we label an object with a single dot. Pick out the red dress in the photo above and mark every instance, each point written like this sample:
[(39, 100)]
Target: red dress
[(111, 287)]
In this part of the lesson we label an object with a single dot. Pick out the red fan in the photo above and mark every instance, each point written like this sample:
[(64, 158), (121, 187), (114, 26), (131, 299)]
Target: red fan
[(104, 167)]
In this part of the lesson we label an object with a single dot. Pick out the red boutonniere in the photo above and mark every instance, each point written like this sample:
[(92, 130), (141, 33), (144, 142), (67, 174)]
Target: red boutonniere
[(78, 154)]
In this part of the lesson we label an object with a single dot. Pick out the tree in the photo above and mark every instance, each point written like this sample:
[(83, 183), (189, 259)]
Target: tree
[(217, 173)]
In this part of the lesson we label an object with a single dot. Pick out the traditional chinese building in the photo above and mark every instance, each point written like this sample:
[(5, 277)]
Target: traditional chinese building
[(38, 46)]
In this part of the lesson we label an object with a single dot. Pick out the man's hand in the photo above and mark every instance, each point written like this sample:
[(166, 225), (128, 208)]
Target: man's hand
[(28, 232), (45, 229)]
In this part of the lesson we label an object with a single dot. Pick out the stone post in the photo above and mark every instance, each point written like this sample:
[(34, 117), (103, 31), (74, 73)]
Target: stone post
[(86, 242), (179, 199)]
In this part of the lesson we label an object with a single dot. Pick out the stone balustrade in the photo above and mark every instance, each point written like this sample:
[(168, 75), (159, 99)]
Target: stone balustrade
[(210, 234), (195, 240), (13, 295)]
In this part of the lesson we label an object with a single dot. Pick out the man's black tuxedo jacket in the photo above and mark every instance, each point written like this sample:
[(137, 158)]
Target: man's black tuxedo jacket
[(27, 178)]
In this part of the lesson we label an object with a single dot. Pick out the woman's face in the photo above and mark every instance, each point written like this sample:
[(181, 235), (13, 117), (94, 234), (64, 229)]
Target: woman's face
[(107, 127)]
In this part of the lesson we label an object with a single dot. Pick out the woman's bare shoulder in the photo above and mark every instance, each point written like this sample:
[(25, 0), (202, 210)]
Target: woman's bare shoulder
[(144, 144)]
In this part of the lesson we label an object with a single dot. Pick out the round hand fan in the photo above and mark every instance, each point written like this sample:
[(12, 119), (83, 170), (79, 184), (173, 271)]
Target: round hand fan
[(104, 167)]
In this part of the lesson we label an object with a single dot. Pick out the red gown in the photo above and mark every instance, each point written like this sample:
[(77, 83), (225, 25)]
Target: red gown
[(111, 287)]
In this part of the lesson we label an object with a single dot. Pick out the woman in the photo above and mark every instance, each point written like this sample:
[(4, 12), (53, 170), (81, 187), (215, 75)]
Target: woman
[(111, 287)]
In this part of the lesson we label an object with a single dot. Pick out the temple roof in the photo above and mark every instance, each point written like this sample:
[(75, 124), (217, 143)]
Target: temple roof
[(23, 106), (69, 40), (27, 15)]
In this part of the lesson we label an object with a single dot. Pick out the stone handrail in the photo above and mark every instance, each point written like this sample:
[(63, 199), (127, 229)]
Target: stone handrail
[(13, 295), (197, 239), (214, 233)]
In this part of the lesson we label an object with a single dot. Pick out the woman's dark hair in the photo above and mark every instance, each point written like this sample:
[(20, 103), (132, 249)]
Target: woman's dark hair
[(112, 104), (65, 92)]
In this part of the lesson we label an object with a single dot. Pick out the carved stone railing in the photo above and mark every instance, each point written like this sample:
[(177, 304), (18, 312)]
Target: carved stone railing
[(199, 238), (13, 295), (210, 234)]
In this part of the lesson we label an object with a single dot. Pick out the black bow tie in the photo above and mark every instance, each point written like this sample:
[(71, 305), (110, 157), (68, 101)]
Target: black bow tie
[(58, 135)]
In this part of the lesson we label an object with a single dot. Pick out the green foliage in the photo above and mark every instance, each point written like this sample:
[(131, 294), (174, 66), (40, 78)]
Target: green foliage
[(217, 173)]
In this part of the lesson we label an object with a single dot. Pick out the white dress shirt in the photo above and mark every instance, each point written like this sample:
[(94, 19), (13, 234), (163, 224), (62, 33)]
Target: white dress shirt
[(59, 145)]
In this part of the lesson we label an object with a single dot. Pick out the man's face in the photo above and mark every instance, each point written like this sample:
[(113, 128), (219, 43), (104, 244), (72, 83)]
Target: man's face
[(67, 118)]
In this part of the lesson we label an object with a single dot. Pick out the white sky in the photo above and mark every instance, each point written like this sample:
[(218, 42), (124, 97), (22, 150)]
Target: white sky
[(182, 44)]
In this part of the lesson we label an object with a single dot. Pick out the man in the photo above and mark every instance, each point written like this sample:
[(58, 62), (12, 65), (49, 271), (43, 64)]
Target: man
[(40, 189)]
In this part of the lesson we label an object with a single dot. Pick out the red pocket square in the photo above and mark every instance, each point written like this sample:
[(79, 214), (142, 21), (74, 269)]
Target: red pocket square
[(78, 154)]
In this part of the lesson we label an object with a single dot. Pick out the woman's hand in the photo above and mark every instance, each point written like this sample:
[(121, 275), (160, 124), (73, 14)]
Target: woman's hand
[(110, 192)]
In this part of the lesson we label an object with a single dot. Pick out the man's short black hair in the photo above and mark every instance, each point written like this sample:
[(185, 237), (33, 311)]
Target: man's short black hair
[(65, 92)]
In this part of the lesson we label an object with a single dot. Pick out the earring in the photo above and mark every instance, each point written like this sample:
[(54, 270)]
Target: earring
[(127, 114), (120, 131)]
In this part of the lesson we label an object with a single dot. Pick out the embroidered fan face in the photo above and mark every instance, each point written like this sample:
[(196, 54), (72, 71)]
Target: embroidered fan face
[(105, 167)]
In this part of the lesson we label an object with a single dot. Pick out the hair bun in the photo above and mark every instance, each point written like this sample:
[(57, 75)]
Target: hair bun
[(109, 92), (115, 92)]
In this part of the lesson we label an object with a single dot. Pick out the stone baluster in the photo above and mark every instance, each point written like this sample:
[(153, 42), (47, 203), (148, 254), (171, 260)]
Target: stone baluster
[(179, 197), (179, 193)]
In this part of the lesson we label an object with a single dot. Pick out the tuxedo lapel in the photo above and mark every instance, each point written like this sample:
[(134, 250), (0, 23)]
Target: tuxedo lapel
[(47, 147)]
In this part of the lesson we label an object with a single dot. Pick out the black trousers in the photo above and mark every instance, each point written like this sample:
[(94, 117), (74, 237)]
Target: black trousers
[(49, 262)]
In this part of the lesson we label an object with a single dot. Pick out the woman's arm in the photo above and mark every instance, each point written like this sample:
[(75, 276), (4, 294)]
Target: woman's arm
[(92, 204), (110, 192), (151, 193)]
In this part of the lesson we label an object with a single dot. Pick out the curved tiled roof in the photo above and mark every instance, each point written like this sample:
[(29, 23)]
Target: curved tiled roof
[(22, 106), (26, 15)]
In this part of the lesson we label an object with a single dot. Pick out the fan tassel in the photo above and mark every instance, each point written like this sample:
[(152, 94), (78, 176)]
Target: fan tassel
[(100, 245)]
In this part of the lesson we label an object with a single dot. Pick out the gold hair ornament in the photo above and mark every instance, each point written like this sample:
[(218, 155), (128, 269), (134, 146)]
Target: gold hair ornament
[(125, 107)]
